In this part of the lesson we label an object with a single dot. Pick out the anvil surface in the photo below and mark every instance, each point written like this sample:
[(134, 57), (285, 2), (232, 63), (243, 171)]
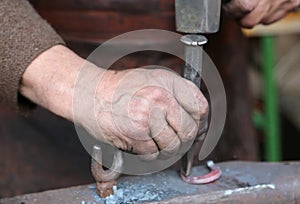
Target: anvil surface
[(241, 182)]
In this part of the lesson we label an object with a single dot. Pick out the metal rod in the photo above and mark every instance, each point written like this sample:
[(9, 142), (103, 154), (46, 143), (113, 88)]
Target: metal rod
[(193, 72), (193, 57)]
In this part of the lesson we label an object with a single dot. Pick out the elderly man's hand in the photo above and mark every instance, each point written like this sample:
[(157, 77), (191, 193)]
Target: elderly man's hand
[(145, 111), (252, 12)]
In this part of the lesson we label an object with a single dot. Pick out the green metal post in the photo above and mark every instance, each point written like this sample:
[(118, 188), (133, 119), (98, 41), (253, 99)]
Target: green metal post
[(271, 110)]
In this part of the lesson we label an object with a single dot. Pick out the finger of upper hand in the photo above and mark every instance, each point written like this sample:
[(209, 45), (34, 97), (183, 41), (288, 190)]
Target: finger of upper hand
[(256, 16), (274, 17), (252, 12), (239, 8), (281, 11), (293, 4)]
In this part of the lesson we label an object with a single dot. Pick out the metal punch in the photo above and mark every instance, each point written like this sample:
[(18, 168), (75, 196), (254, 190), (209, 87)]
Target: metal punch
[(193, 71), (196, 17)]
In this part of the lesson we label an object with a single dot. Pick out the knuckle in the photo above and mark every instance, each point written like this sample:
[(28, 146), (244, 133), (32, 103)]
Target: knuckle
[(295, 3), (118, 142), (149, 147), (190, 133), (204, 107), (146, 150), (246, 6), (172, 147), (158, 91)]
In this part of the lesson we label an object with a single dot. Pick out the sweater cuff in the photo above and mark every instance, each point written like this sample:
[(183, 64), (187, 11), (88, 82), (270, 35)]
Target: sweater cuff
[(23, 36)]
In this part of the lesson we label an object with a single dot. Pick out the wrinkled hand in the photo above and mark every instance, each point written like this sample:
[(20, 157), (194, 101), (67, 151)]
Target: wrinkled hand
[(252, 12), (145, 111), (141, 110)]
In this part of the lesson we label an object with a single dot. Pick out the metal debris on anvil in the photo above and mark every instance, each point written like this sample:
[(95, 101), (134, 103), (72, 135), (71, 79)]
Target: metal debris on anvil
[(246, 182), (141, 194)]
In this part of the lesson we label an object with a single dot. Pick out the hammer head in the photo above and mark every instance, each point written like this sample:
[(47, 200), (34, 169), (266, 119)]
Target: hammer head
[(197, 16)]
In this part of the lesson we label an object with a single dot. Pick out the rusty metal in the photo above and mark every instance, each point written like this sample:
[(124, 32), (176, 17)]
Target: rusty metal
[(214, 174), (104, 189), (241, 182), (105, 179)]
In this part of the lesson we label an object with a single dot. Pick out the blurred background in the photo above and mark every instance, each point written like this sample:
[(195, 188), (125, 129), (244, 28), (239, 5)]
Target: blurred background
[(259, 68)]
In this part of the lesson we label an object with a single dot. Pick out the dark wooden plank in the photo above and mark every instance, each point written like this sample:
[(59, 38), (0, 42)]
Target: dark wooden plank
[(100, 25), (137, 6), (229, 51)]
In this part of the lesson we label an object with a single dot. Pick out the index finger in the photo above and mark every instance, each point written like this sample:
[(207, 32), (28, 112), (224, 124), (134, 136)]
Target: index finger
[(239, 8), (191, 99)]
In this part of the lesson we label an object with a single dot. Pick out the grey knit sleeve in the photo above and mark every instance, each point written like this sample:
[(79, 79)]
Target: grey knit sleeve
[(23, 36)]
